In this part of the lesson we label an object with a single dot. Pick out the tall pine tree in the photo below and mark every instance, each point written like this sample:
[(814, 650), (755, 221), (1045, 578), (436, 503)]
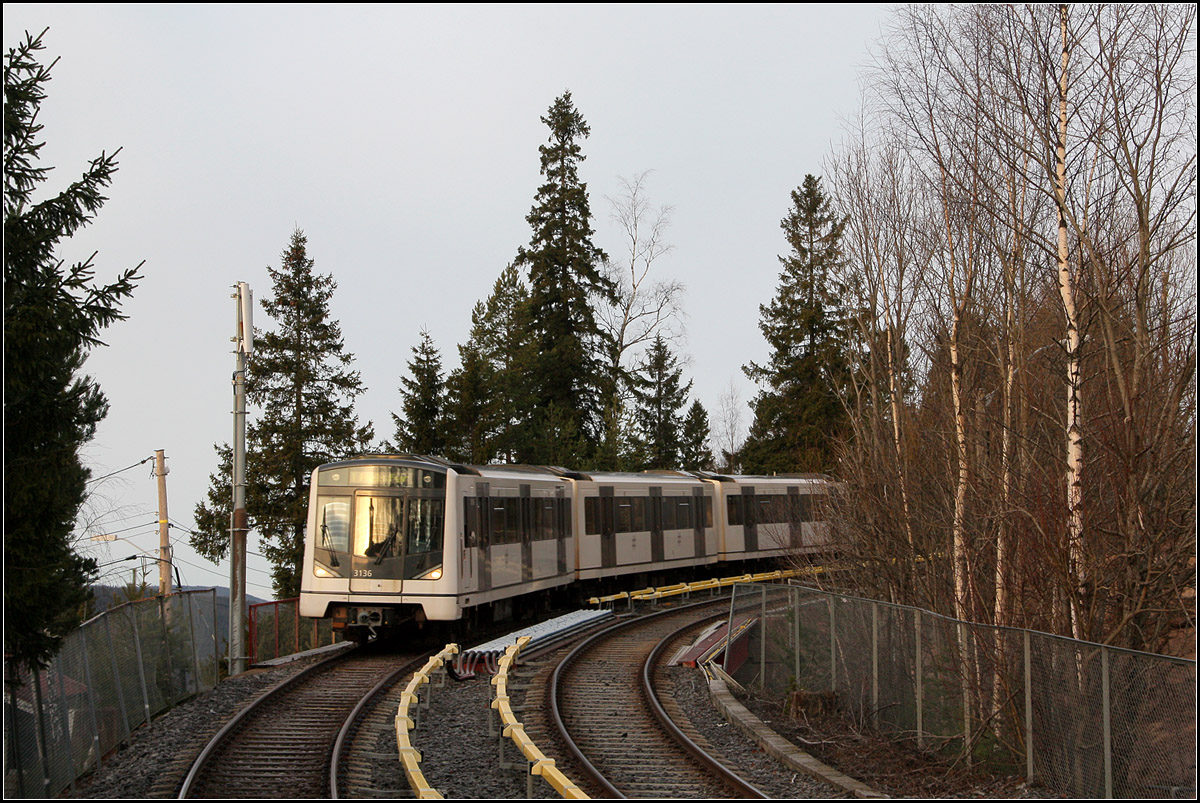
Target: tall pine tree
[(52, 319), (798, 415), (659, 397), (564, 278), (421, 430), (694, 452), (300, 379)]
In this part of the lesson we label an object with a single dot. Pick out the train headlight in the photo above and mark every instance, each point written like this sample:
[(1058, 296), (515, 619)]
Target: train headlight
[(432, 574), (322, 571)]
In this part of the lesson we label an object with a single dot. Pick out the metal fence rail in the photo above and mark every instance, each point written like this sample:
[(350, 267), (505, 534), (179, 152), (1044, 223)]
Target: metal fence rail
[(277, 629), (112, 675), (1081, 718)]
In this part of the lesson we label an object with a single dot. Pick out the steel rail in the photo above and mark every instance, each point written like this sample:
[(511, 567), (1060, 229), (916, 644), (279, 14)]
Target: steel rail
[(235, 724), (345, 733), (740, 785), (672, 732)]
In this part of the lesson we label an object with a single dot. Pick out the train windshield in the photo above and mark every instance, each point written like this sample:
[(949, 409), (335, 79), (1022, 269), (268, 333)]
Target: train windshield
[(379, 537)]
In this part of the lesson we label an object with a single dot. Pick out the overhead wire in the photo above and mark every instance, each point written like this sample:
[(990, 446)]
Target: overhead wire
[(118, 471)]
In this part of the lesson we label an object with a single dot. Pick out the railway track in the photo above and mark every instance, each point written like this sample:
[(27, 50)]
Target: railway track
[(283, 746), (604, 700)]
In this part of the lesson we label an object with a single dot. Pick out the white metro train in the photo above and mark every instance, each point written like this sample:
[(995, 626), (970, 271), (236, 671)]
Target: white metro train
[(393, 538)]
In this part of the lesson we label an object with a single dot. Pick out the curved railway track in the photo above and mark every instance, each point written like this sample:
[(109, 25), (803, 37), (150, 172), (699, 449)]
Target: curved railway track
[(603, 699), (283, 746)]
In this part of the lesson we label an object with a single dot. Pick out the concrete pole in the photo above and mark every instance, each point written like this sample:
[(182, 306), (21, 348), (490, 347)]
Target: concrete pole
[(237, 568), (164, 540)]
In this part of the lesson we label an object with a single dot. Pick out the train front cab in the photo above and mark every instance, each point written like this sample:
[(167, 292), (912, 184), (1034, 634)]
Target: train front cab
[(376, 545)]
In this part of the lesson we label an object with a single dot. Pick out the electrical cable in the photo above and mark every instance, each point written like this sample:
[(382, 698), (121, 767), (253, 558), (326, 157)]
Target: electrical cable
[(134, 527), (118, 471)]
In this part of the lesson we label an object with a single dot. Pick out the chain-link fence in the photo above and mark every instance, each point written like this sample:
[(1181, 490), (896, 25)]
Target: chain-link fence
[(278, 629), (1081, 718), (112, 675)]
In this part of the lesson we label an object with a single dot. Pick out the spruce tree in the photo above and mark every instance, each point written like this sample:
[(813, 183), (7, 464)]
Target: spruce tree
[(53, 316), (421, 430), (300, 378), (565, 278), (490, 396), (798, 415), (659, 397), (695, 455), (471, 411)]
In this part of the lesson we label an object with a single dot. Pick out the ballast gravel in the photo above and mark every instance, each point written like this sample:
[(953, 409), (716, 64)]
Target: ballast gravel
[(157, 757), (460, 746)]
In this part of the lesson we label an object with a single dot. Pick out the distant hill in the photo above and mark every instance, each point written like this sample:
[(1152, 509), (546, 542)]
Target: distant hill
[(110, 596)]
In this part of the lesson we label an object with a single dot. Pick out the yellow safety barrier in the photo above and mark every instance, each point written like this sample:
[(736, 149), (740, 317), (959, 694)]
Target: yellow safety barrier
[(410, 757), (683, 589), (537, 762)]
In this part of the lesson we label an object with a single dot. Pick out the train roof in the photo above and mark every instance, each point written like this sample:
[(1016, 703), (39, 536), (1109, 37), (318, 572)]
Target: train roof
[(428, 461)]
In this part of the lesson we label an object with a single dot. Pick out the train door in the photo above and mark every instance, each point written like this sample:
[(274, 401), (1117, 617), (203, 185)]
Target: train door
[(377, 562), (750, 524), (608, 532), (657, 549), (479, 549)]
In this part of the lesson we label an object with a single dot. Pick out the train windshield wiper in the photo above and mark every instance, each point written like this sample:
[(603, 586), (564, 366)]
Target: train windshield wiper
[(387, 546), (325, 541)]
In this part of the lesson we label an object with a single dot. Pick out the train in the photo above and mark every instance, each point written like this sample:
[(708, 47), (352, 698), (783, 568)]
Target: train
[(401, 538)]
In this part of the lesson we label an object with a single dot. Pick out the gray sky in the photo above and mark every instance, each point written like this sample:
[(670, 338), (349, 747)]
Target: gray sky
[(403, 142)]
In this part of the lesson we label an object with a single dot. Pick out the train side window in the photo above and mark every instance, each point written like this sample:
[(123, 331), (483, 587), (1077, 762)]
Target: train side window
[(624, 516), (499, 521), (804, 502), (513, 517), (668, 513), (683, 513), (637, 515), (543, 519), (591, 515), (708, 511), (763, 513), (736, 513), (425, 521)]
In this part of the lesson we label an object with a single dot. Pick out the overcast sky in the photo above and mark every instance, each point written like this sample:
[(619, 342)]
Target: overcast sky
[(403, 141)]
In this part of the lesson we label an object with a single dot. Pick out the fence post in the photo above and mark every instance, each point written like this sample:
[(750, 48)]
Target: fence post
[(875, 663), (794, 604), (13, 735), (1104, 682), (216, 642), (728, 629), (87, 673), (40, 738), (162, 617), (66, 719), (832, 647), (112, 654), (296, 628), (762, 641), (137, 646), (186, 598), (964, 658), (920, 681), (1028, 713), (252, 624)]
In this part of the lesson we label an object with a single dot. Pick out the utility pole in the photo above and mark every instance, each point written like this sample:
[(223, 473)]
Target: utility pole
[(244, 345), (164, 541)]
